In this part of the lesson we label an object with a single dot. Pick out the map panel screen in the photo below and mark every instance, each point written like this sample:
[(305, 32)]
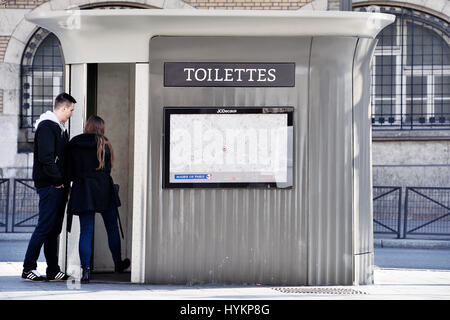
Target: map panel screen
[(228, 147)]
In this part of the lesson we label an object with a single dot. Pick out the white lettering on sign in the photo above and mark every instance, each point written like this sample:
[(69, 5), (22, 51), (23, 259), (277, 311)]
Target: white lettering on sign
[(226, 111), (229, 74)]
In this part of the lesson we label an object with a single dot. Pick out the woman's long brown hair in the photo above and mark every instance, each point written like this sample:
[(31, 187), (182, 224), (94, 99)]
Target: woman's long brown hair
[(96, 125)]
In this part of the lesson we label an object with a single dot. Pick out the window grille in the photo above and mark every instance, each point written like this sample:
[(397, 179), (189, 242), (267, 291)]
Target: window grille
[(42, 76), (411, 72), (42, 79)]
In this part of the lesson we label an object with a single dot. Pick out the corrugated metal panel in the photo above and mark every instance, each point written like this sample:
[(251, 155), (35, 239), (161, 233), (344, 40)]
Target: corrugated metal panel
[(362, 141), (330, 258), (228, 236), (303, 236)]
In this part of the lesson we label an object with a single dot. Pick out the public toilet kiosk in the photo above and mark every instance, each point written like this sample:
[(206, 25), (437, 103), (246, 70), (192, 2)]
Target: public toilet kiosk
[(242, 140)]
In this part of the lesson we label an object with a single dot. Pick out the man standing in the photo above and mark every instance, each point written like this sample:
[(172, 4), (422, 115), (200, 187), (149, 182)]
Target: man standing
[(50, 180)]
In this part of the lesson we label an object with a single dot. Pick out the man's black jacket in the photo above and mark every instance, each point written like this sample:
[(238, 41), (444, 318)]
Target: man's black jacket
[(50, 164)]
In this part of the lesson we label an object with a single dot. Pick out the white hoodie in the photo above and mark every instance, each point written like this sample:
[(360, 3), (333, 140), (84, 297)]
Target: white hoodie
[(50, 115)]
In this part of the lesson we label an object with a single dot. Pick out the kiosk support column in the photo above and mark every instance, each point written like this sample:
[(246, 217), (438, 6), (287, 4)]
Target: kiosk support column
[(76, 85), (140, 194)]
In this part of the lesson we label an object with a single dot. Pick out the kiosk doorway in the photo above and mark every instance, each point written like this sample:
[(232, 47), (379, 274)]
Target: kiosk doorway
[(110, 95)]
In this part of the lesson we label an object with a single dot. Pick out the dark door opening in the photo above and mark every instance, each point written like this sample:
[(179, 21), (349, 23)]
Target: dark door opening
[(110, 95)]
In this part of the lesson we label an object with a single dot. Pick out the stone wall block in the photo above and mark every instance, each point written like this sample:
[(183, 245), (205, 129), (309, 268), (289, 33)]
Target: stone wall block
[(14, 51), (10, 76), (60, 4), (24, 31), (11, 103)]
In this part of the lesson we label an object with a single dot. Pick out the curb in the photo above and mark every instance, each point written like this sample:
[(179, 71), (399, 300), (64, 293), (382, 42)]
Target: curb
[(15, 236), (411, 243), (377, 243)]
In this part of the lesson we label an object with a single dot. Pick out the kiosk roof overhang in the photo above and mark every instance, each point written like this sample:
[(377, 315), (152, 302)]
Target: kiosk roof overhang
[(109, 36)]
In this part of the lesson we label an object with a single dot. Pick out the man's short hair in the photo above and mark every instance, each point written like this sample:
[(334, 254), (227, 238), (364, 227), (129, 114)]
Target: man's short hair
[(63, 99)]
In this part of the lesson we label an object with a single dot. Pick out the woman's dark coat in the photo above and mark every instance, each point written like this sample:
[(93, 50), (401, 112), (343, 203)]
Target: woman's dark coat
[(92, 189)]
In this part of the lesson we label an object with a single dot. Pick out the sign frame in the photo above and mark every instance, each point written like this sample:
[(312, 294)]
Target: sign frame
[(173, 74), (167, 111)]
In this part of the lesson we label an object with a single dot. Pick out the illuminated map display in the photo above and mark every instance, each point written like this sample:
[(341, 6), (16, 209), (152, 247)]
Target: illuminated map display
[(228, 147)]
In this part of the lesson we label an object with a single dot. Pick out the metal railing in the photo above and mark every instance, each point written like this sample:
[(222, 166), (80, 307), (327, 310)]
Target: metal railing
[(427, 211), (4, 204), (419, 121), (387, 208), (25, 206), (424, 211)]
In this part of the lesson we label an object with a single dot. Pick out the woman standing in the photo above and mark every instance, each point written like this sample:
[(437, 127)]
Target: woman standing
[(91, 158)]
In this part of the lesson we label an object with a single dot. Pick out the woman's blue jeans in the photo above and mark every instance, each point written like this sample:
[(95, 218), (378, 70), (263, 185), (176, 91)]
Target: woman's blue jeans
[(87, 230)]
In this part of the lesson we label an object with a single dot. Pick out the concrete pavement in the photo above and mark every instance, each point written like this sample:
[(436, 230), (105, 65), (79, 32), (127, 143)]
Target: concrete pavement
[(390, 284), (411, 243)]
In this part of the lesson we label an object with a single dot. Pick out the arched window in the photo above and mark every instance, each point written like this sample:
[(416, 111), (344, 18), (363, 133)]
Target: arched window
[(411, 72), (42, 79)]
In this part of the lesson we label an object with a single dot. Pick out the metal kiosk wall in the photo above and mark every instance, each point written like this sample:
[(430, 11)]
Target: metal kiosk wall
[(315, 228), (245, 234)]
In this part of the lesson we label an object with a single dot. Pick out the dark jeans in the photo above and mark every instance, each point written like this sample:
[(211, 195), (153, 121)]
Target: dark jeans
[(87, 230), (52, 202)]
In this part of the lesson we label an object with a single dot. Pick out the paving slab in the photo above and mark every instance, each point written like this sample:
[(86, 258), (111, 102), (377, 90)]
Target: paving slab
[(389, 284)]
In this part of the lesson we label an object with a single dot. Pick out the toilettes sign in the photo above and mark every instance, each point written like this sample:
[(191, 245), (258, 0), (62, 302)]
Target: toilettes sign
[(212, 74)]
